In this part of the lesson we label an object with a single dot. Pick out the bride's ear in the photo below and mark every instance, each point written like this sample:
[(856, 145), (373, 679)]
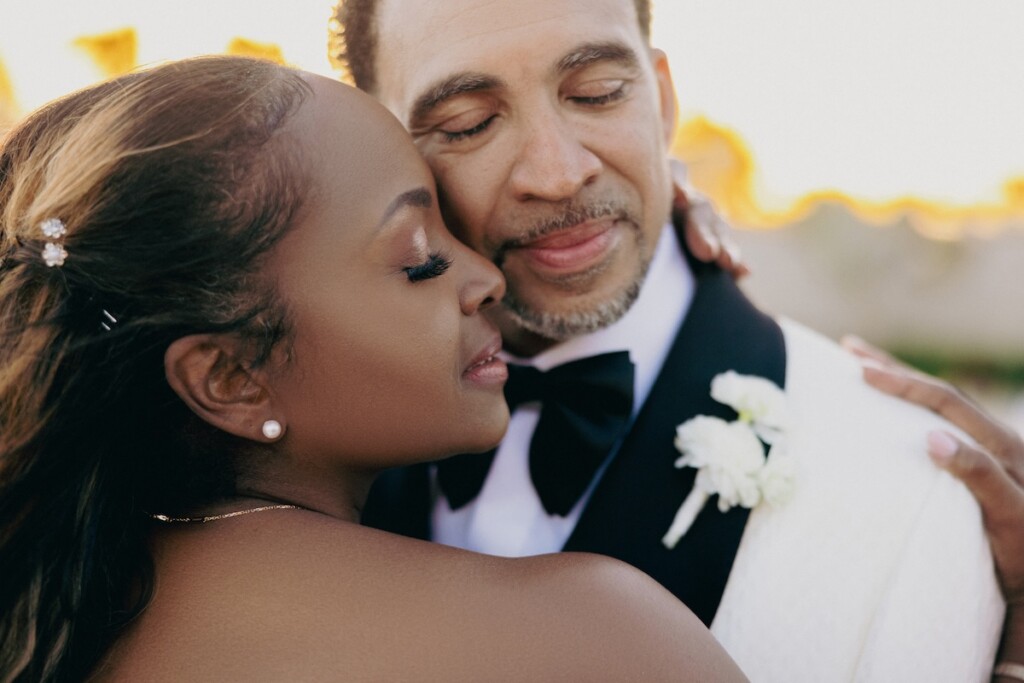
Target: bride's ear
[(209, 373)]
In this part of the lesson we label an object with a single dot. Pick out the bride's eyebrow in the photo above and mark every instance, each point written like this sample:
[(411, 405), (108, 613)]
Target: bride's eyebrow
[(419, 197)]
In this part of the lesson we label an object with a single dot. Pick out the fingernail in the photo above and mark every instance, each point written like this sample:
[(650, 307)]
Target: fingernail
[(871, 364), (710, 237), (852, 341), (941, 447)]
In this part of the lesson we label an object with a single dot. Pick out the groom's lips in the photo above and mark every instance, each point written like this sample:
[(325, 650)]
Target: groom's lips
[(573, 249)]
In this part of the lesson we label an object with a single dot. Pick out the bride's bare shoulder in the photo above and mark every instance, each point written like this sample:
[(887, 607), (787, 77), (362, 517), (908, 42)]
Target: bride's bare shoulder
[(301, 596)]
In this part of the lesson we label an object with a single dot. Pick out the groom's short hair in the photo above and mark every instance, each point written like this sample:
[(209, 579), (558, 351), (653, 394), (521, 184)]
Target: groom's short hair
[(352, 38)]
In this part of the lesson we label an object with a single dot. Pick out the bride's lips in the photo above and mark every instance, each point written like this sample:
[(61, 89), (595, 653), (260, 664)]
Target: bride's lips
[(572, 249), (486, 368)]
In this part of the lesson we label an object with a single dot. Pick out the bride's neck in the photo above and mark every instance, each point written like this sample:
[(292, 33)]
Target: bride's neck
[(339, 495)]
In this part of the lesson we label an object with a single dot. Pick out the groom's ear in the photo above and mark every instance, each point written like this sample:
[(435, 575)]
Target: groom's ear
[(668, 107), (210, 374)]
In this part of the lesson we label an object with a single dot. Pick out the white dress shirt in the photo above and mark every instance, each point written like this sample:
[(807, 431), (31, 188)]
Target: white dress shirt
[(507, 518)]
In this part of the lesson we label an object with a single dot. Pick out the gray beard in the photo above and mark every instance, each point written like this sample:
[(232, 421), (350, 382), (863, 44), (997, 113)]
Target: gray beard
[(560, 327)]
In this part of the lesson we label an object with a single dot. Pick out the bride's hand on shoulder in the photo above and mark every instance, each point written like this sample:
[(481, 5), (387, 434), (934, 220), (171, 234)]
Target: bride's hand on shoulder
[(707, 235), (992, 468)]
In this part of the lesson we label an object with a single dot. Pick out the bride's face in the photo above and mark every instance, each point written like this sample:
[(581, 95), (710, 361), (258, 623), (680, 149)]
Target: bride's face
[(391, 360)]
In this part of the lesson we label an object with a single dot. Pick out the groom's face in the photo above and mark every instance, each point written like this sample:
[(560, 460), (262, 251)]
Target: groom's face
[(546, 124)]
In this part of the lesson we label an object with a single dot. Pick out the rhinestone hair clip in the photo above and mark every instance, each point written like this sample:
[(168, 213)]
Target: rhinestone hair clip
[(54, 253), (107, 325)]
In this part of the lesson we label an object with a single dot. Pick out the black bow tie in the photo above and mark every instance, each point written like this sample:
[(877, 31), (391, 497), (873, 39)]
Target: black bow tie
[(585, 409)]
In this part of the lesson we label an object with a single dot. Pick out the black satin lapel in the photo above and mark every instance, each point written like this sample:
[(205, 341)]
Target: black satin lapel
[(637, 498), (399, 502)]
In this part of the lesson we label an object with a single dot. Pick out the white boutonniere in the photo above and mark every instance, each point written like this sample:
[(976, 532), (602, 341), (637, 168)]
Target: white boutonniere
[(730, 456)]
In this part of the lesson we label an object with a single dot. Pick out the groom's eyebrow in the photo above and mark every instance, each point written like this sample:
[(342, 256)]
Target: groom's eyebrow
[(466, 82), (447, 88), (591, 53), (419, 197)]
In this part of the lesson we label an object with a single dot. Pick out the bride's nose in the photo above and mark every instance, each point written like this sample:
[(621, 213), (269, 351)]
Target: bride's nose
[(481, 284)]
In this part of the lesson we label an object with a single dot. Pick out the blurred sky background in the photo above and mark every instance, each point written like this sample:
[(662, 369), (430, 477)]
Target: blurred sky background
[(870, 154)]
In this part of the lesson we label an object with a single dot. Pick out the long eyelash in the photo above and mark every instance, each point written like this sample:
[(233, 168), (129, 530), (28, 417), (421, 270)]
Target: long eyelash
[(469, 132), (435, 265)]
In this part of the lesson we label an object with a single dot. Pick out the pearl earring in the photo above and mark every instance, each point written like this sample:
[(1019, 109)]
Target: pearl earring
[(272, 429)]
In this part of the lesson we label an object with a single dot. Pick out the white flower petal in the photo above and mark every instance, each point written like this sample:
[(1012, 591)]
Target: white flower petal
[(778, 477), (699, 439), (757, 400), (729, 456)]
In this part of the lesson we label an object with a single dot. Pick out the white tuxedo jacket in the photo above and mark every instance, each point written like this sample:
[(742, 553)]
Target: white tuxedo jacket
[(878, 568)]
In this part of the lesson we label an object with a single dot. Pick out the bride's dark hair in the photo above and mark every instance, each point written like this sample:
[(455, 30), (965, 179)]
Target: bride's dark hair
[(172, 183)]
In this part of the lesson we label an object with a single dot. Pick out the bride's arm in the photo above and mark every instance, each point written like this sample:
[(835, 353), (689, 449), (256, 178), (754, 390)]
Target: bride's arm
[(602, 619), (1012, 648)]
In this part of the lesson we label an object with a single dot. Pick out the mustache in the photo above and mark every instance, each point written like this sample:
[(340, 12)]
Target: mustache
[(568, 216)]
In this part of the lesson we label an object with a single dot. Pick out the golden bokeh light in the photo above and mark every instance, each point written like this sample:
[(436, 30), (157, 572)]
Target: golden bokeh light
[(869, 155), (114, 52), (244, 47), (720, 160), (8, 105), (722, 166)]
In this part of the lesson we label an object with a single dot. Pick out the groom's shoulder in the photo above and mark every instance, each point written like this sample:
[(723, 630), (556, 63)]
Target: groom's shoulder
[(890, 543), (820, 370), (826, 383), (865, 445)]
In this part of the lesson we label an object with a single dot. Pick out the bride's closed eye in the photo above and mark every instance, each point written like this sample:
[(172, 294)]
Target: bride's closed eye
[(435, 265)]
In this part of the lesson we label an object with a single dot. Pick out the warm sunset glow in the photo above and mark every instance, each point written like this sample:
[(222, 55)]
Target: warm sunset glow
[(879, 99), (250, 48), (8, 106), (115, 53), (784, 105), (721, 165)]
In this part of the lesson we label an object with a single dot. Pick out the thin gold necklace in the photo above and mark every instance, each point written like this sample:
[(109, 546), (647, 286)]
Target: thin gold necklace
[(210, 518)]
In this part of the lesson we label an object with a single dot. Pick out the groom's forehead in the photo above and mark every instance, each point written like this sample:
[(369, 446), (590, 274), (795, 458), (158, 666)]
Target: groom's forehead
[(480, 15), (463, 35), (363, 33)]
